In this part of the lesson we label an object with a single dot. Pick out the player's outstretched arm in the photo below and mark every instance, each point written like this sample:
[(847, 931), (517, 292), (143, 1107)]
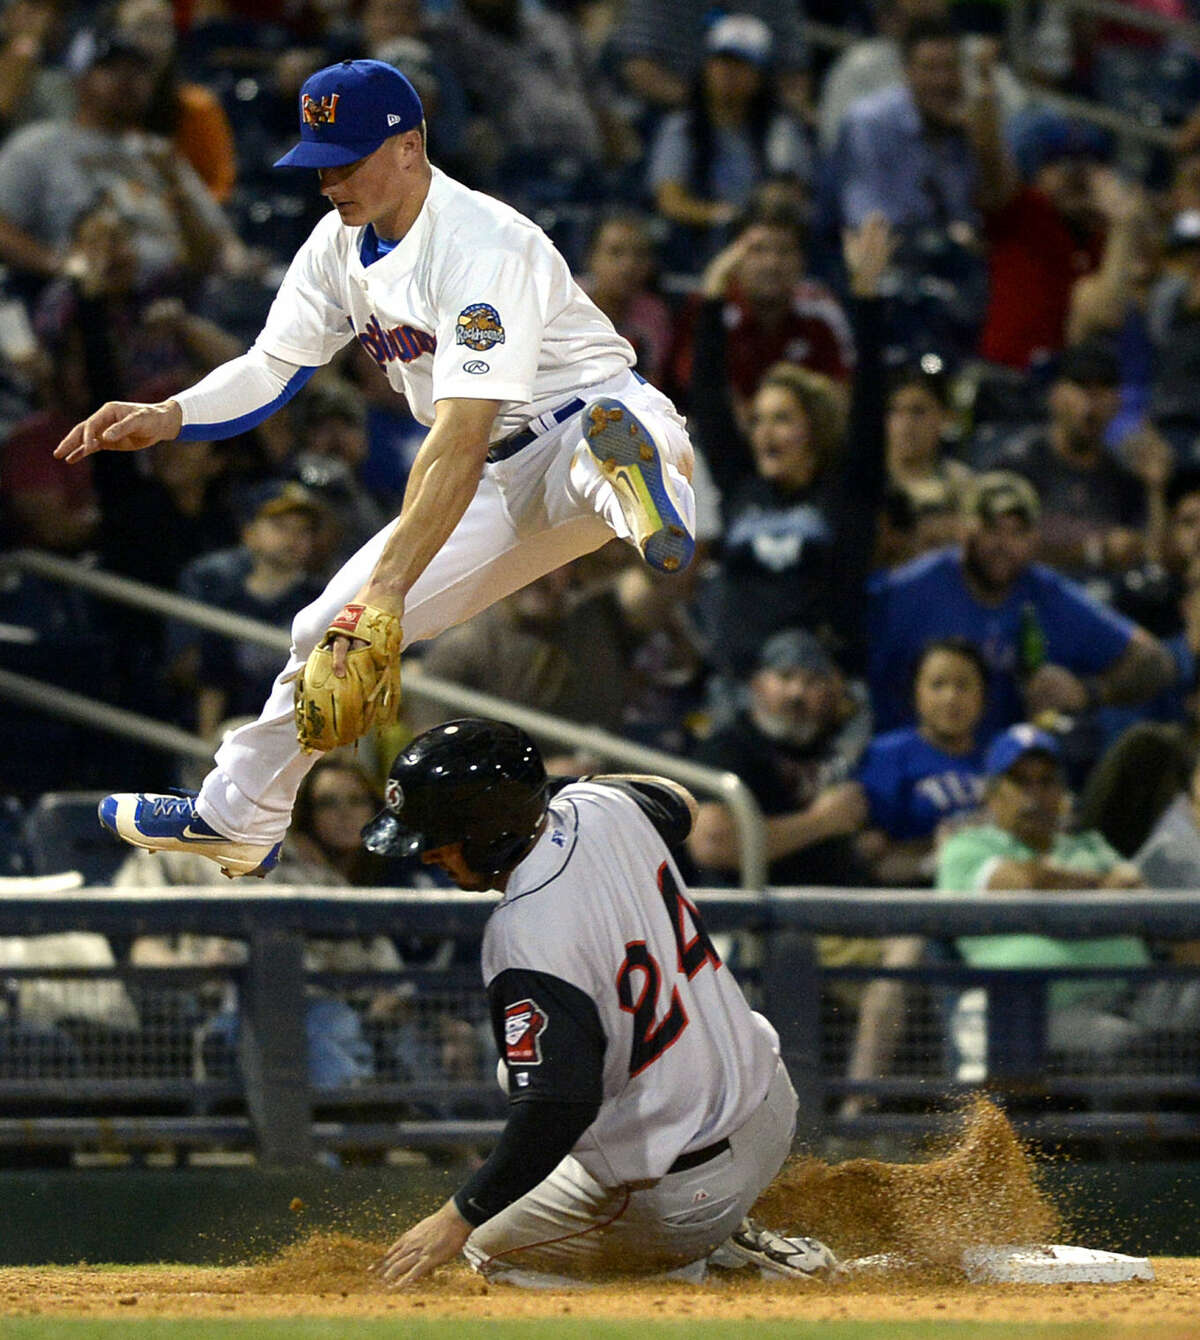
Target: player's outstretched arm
[(121, 425)]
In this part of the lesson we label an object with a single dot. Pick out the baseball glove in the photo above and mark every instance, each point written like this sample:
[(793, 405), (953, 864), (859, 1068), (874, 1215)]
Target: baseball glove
[(332, 711)]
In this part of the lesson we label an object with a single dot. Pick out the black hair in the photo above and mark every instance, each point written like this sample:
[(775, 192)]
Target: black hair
[(915, 373), (775, 214), (955, 645), (702, 137), (929, 29), (1185, 481)]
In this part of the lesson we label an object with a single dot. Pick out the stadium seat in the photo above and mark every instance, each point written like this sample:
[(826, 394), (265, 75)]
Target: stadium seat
[(61, 832)]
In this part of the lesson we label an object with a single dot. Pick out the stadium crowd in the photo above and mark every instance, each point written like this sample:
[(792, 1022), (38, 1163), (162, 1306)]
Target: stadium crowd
[(938, 345)]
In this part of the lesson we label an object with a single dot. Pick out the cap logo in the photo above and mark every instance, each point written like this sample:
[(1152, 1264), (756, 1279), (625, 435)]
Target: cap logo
[(323, 113), (393, 795), (393, 119)]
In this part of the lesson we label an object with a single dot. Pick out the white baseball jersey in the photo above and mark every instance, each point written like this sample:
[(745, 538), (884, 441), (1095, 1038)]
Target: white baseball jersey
[(600, 904), (474, 302)]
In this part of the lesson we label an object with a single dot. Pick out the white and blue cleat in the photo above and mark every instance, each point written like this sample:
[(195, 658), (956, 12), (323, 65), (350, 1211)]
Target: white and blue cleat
[(633, 464), (170, 823)]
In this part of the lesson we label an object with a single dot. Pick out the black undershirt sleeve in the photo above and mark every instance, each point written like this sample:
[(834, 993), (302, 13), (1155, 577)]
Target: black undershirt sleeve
[(549, 1035), (535, 1139)]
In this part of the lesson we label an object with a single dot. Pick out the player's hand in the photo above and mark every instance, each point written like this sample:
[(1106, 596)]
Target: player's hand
[(427, 1245), (121, 426)]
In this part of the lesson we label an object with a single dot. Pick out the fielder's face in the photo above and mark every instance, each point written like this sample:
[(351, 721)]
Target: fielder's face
[(372, 189)]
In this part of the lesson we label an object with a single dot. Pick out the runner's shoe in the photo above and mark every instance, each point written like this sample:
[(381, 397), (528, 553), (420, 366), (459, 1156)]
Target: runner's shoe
[(170, 823), (773, 1254), (633, 465)]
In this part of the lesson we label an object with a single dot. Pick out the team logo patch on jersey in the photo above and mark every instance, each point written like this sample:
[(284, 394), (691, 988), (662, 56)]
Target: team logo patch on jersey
[(322, 113), (479, 327), (524, 1024)]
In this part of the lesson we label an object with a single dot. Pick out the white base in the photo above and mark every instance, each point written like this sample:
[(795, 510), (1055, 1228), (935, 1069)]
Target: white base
[(1052, 1264)]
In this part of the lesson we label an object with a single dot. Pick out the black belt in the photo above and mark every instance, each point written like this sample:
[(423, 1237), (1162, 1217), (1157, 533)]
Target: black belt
[(510, 445), (695, 1157)]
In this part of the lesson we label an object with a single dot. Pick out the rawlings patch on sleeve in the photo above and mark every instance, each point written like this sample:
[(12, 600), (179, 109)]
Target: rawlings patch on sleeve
[(524, 1023), (479, 327)]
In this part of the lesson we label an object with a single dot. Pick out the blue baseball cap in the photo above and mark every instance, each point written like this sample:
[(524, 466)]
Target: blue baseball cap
[(348, 110), (1013, 744)]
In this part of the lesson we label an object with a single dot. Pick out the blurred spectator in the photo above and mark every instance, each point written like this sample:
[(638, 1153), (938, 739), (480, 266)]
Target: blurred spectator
[(543, 648), (915, 519), (323, 848), (402, 34), (707, 159), (32, 86), (1048, 206), (267, 578), (913, 781), (187, 114), (660, 44), (902, 151), (918, 418), (332, 432), (52, 172), (875, 63), (916, 784), (1023, 844), (757, 291), (619, 280), (800, 733), (1048, 645), (539, 125), (1140, 776), (800, 530), (1174, 320), (1093, 509)]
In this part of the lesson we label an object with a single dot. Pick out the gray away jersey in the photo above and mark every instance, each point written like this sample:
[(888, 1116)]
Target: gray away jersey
[(600, 904)]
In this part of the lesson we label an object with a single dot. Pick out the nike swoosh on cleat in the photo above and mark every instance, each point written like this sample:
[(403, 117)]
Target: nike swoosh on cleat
[(188, 836)]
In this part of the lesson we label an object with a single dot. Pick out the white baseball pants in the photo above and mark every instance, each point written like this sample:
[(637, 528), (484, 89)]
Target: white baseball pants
[(569, 1227), (532, 513)]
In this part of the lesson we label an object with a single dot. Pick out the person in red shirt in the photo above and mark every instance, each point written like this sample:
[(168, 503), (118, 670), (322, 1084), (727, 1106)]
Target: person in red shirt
[(1044, 224), (771, 312)]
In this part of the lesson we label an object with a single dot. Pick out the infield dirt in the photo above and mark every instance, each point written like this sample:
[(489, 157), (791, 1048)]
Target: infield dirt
[(982, 1189)]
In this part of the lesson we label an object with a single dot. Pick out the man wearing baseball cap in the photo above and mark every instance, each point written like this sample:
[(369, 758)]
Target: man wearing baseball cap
[(1023, 843), (1049, 645), (543, 441)]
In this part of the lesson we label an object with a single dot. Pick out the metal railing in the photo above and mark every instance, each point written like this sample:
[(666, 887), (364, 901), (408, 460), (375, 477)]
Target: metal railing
[(270, 1104), (724, 786)]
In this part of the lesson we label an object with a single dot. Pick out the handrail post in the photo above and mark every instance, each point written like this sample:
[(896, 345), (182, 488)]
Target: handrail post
[(274, 1046)]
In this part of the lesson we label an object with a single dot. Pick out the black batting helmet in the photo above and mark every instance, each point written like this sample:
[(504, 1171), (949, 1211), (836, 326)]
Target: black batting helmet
[(478, 782)]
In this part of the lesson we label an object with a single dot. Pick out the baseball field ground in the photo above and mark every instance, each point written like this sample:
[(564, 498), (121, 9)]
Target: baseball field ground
[(983, 1188)]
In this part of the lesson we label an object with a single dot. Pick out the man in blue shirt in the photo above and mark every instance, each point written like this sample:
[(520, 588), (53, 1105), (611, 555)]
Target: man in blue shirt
[(903, 150), (1048, 645)]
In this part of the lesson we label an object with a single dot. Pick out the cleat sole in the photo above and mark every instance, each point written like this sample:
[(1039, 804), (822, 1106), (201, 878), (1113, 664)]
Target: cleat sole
[(626, 453)]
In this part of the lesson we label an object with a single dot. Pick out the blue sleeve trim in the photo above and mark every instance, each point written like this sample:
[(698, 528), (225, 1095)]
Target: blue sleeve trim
[(212, 432)]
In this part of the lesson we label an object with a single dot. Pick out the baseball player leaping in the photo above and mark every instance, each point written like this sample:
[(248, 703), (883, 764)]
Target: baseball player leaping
[(544, 441), (648, 1105)]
